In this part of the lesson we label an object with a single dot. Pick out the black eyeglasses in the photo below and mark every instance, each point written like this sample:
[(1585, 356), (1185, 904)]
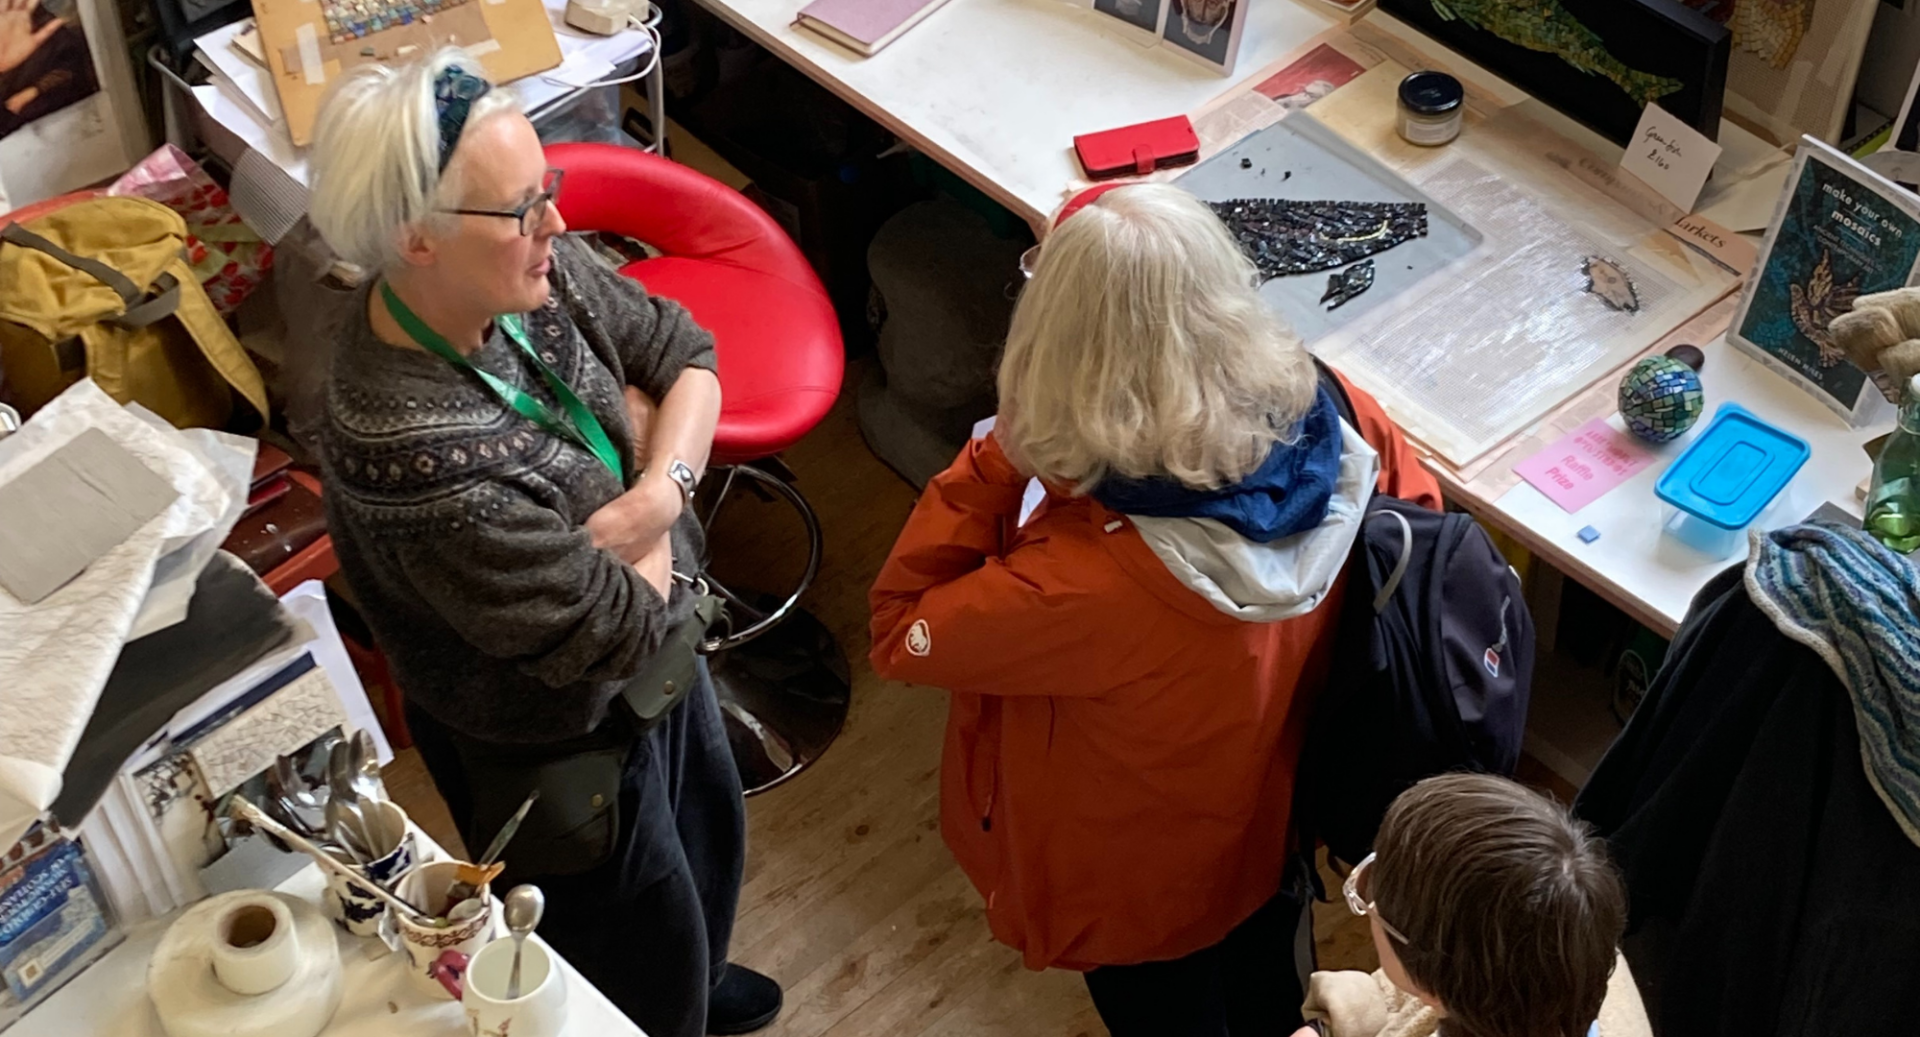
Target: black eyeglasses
[(531, 213)]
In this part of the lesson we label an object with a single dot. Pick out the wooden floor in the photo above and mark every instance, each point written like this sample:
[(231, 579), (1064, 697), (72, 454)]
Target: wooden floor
[(851, 900)]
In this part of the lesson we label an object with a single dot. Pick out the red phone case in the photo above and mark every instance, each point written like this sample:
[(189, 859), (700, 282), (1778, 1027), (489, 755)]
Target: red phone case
[(1139, 149)]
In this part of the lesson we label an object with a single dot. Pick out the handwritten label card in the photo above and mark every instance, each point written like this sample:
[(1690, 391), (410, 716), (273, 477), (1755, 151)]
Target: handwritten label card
[(1591, 460), (1671, 156)]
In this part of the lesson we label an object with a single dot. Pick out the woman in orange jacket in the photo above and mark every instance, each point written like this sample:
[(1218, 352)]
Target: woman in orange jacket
[(1132, 668)]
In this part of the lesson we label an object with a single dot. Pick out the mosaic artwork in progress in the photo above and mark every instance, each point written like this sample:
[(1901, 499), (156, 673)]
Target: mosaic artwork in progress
[(353, 19), (1517, 328)]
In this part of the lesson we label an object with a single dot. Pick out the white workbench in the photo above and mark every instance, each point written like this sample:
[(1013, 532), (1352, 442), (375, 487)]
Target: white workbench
[(110, 998), (1649, 574), (996, 90)]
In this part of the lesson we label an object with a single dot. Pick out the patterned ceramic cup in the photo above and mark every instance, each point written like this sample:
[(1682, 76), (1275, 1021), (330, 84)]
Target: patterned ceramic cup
[(426, 887), (357, 910)]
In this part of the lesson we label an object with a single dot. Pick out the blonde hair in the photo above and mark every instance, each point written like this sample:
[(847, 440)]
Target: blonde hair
[(1141, 348), (376, 155)]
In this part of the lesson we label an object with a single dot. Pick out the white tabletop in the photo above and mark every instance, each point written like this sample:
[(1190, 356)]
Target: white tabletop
[(996, 90), (1645, 567), (110, 999)]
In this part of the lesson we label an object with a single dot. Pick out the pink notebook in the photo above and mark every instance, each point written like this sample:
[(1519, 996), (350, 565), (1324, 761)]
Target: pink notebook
[(864, 25)]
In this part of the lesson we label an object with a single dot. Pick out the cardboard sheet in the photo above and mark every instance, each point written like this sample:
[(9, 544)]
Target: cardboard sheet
[(510, 38)]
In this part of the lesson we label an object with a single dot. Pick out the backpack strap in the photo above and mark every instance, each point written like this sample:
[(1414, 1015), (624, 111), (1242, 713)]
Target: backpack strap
[(139, 310), (159, 306), (1306, 831), (122, 285)]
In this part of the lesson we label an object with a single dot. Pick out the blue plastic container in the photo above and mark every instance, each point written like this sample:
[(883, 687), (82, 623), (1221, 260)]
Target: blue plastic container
[(1727, 479)]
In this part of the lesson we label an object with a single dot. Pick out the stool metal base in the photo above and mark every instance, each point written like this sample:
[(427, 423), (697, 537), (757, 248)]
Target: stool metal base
[(784, 697)]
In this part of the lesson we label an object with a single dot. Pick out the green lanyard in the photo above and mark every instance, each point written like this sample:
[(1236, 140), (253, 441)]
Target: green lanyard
[(583, 430)]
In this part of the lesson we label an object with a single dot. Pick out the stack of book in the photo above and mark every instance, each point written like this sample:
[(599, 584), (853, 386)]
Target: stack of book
[(53, 919)]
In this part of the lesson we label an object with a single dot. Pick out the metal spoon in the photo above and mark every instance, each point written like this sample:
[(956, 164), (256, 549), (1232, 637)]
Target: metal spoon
[(340, 772), (306, 809), (525, 906), (365, 760), (342, 829)]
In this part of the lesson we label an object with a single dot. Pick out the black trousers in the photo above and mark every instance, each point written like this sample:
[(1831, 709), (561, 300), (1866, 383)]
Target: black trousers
[(650, 926), (1247, 985)]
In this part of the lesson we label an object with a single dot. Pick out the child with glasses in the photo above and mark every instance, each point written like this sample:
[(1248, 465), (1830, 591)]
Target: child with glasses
[(1495, 914)]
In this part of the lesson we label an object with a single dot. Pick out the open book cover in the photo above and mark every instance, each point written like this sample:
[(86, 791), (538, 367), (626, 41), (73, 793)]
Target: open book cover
[(865, 25), (1842, 231)]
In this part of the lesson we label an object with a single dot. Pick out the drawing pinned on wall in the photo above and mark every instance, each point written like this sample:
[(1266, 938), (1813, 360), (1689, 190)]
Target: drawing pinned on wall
[(45, 65), (1600, 61)]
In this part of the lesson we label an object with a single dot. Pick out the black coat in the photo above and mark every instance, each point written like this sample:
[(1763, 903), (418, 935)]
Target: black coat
[(1772, 892)]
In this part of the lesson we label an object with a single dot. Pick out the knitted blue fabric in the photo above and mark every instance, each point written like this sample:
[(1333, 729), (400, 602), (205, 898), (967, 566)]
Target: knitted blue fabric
[(1856, 603)]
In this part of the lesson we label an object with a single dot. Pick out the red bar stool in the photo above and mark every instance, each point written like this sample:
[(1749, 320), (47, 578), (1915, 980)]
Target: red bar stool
[(781, 678)]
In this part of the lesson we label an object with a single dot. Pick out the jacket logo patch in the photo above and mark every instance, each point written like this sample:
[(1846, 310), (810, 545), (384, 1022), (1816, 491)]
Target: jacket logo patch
[(1492, 659), (919, 639)]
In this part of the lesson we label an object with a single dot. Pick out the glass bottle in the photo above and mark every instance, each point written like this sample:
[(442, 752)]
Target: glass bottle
[(1893, 503)]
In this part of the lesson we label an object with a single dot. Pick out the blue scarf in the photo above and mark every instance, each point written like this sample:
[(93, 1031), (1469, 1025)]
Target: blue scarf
[(1287, 494), (1857, 605)]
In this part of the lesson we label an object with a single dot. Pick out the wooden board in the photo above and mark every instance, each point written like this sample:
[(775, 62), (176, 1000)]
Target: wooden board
[(511, 39)]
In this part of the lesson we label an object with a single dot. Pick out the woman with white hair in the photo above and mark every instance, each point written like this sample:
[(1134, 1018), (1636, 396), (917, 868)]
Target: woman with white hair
[(513, 433), (1132, 669)]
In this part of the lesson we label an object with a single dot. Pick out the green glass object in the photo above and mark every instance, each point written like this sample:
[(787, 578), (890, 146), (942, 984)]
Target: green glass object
[(1893, 504)]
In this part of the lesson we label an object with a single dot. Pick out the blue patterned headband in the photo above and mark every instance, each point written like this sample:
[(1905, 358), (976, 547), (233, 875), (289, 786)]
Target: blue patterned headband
[(454, 92)]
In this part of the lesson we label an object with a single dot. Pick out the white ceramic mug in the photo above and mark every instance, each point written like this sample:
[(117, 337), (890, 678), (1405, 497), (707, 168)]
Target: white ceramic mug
[(426, 887), (539, 1011)]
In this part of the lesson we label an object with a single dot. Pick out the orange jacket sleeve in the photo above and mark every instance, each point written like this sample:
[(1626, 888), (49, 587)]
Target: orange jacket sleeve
[(955, 608), (1401, 473)]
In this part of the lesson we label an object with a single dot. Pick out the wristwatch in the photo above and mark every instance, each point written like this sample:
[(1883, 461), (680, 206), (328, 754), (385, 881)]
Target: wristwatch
[(682, 475)]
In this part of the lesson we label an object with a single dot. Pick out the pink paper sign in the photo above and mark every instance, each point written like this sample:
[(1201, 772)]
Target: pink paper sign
[(1591, 460)]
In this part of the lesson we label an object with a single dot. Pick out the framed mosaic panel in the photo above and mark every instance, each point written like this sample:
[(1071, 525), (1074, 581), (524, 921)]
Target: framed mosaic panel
[(1599, 61)]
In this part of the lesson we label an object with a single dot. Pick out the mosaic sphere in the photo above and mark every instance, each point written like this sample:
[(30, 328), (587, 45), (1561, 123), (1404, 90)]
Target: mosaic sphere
[(1660, 399)]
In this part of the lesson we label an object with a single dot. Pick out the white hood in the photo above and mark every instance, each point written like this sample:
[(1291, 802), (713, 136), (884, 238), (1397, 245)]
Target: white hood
[(1265, 583)]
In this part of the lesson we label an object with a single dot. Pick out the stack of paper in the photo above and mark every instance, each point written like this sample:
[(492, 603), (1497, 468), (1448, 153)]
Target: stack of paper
[(57, 651)]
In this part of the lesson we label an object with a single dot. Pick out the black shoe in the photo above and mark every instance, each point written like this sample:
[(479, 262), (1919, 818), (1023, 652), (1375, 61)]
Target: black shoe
[(744, 1001)]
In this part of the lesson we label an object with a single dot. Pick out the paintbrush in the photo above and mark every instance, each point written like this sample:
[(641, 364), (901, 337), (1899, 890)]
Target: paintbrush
[(244, 810)]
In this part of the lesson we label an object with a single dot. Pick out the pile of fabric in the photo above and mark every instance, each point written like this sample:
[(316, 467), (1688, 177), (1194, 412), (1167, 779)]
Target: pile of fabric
[(1764, 802)]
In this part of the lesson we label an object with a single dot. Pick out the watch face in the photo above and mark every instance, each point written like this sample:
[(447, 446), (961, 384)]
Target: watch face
[(682, 473)]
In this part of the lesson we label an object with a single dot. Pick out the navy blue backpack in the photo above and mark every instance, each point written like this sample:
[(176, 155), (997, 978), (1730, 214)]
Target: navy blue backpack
[(1432, 666)]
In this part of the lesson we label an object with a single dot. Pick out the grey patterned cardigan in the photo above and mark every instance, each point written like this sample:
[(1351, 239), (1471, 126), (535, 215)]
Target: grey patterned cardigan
[(458, 523)]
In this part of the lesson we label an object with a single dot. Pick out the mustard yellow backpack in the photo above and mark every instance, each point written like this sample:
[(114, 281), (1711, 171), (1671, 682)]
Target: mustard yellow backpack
[(100, 289)]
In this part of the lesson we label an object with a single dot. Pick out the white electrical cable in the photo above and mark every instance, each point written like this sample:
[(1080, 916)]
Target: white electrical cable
[(651, 28)]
